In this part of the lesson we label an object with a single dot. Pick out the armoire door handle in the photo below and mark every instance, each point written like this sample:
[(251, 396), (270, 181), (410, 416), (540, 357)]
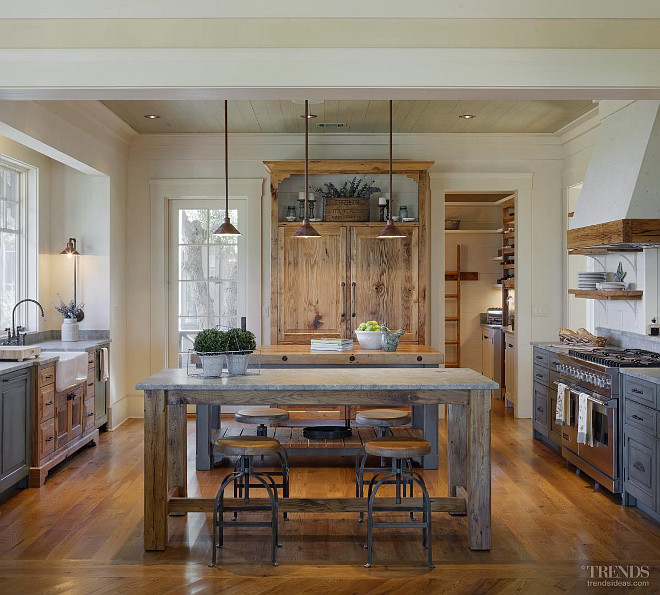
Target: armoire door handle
[(342, 299), (353, 299)]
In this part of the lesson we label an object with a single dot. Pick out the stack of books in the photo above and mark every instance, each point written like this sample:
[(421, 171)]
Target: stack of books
[(332, 344)]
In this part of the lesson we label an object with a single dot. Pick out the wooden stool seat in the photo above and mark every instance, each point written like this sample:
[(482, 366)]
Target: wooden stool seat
[(261, 415), (399, 447), (383, 417), (248, 445)]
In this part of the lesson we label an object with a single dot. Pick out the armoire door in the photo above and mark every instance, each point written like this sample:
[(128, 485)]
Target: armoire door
[(384, 280), (311, 298)]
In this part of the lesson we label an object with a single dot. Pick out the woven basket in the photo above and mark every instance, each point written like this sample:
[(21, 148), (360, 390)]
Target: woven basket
[(346, 209)]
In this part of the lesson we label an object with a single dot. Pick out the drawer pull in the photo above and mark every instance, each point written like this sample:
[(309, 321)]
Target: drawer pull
[(637, 465), (636, 391), (637, 417), (49, 439)]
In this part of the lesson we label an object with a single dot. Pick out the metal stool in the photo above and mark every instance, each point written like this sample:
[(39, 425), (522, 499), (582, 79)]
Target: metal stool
[(264, 416), (399, 449), (384, 419), (246, 447)]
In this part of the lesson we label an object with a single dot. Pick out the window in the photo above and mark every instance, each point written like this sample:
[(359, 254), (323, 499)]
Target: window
[(13, 274)]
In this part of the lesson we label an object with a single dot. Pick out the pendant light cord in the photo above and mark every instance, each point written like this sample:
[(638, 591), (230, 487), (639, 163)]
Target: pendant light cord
[(391, 193), (226, 166), (306, 157)]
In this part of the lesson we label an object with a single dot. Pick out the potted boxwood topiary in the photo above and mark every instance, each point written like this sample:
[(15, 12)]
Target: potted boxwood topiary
[(239, 344), (210, 345)]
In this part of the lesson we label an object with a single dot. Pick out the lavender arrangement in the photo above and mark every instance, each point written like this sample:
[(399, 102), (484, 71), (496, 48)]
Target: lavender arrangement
[(70, 310), (356, 187)]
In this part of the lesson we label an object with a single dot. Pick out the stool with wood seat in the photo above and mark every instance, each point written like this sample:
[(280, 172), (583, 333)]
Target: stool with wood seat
[(399, 449), (264, 416), (247, 447), (383, 419)]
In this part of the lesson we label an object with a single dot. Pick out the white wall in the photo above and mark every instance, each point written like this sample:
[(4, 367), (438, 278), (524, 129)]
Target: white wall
[(86, 137), (201, 156)]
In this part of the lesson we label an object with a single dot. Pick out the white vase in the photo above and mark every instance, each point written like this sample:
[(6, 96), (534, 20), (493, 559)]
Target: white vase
[(69, 329), (212, 365), (237, 363)]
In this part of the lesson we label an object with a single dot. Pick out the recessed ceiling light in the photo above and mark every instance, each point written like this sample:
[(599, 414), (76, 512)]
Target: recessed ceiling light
[(309, 117), (467, 116), (152, 116)]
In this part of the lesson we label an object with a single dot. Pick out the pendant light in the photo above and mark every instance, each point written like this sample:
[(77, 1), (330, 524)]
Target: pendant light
[(306, 230), (390, 230), (226, 229)]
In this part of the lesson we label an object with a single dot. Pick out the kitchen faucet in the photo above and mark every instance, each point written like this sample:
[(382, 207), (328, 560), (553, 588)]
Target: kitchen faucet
[(14, 336)]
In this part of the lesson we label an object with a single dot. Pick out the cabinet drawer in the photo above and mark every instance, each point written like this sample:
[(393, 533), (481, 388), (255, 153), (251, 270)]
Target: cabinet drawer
[(640, 479), (639, 390), (46, 402), (46, 375), (88, 415), (554, 362), (541, 374), (541, 408), (640, 417), (46, 438), (542, 357)]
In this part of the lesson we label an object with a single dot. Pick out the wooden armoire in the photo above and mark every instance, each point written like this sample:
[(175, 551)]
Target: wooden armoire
[(327, 286)]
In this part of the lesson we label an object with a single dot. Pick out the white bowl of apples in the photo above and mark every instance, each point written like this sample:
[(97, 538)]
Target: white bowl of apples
[(368, 335)]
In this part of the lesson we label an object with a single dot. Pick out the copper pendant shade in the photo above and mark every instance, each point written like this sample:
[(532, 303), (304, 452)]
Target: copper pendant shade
[(390, 230), (226, 229), (306, 230)]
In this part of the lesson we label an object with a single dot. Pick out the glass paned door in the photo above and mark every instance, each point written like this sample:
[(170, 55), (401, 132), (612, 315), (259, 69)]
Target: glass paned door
[(207, 273)]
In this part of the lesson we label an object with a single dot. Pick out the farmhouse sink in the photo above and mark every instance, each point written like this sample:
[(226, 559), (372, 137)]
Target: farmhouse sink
[(70, 368)]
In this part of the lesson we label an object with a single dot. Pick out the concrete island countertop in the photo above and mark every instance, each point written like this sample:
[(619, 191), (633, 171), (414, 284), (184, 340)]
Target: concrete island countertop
[(64, 346), (344, 379), (648, 374)]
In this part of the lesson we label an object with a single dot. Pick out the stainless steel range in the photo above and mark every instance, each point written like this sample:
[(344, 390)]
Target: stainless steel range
[(595, 371)]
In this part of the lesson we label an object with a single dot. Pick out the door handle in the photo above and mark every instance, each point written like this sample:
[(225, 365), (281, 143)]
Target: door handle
[(353, 299), (342, 299)]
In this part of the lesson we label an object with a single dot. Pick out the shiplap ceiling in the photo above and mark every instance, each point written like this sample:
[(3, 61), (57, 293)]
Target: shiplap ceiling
[(358, 116)]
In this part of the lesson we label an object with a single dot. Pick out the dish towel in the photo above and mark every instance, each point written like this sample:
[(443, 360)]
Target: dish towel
[(585, 408), (561, 410), (105, 364)]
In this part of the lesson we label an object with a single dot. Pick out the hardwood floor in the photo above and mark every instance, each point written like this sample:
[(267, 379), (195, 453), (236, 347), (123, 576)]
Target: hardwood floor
[(82, 532)]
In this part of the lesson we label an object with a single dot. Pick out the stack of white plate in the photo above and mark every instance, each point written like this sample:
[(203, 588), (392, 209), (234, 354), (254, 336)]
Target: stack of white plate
[(590, 280)]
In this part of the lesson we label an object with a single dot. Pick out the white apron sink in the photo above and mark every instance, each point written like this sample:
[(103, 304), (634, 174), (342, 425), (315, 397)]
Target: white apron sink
[(70, 368)]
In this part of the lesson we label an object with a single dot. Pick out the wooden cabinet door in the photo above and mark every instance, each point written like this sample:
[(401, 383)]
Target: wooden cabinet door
[(310, 276), (384, 280), (61, 420)]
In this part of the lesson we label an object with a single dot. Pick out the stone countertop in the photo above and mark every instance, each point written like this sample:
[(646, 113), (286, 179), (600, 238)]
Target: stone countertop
[(6, 367), (553, 346), (82, 345), (648, 374), (64, 346), (323, 379)]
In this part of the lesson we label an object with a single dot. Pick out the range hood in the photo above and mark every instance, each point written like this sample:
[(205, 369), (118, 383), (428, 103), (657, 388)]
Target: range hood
[(619, 206)]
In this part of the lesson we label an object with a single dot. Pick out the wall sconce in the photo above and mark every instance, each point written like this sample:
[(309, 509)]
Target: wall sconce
[(71, 252)]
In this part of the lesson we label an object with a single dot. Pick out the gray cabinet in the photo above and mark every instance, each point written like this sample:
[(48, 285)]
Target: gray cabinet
[(544, 374), (641, 443), (14, 427)]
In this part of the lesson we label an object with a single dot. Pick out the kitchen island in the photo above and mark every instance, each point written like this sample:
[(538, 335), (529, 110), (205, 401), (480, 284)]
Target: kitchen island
[(424, 417), (467, 393)]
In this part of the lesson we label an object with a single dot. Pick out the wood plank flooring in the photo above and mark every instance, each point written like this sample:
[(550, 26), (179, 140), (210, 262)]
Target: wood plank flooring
[(82, 532)]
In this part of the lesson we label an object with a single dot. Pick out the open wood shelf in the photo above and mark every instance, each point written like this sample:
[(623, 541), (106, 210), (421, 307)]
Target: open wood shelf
[(595, 294)]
